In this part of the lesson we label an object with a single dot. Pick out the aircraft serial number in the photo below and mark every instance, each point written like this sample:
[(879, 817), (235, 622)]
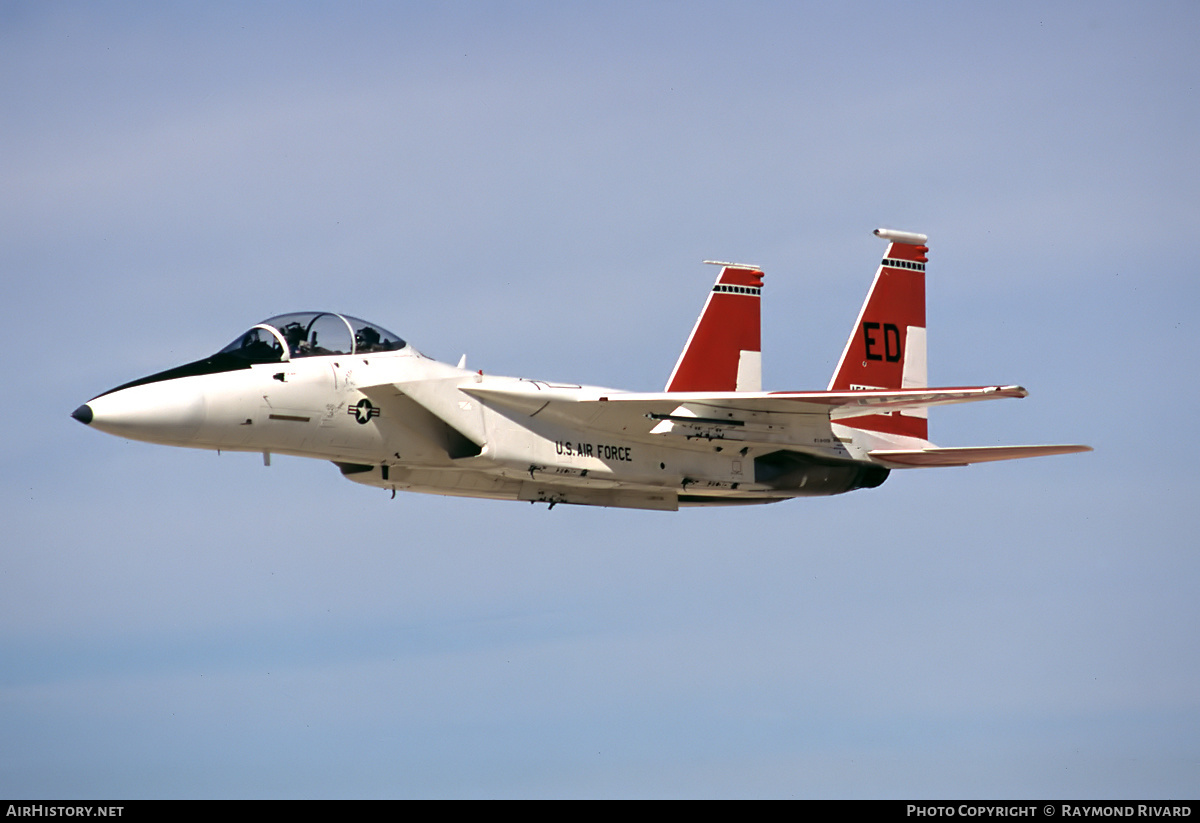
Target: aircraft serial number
[(604, 451)]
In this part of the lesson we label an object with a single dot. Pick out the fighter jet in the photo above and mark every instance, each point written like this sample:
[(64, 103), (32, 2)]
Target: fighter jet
[(337, 388)]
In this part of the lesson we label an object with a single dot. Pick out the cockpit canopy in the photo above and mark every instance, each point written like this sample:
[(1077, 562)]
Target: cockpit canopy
[(311, 334)]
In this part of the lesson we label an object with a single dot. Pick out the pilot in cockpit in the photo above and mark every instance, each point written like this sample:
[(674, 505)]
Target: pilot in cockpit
[(297, 339), (367, 339)]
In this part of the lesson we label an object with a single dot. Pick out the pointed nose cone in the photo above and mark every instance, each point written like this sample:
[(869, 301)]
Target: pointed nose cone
[(169, 412)]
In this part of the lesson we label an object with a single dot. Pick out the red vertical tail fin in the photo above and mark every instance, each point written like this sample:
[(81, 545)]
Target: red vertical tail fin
[(886, 349), (724, 351)]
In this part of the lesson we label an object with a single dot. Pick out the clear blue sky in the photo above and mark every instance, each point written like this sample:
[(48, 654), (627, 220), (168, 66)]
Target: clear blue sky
[(536, 184)]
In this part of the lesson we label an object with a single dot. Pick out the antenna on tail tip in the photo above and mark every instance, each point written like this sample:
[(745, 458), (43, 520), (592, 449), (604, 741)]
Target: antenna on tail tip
[(902, 236), (749, 266)]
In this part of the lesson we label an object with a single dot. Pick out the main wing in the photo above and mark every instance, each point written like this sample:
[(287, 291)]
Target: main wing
[(749, 417), (618, 411)]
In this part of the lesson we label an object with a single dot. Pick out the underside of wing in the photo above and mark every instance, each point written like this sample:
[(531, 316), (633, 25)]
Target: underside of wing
[(965, 456)]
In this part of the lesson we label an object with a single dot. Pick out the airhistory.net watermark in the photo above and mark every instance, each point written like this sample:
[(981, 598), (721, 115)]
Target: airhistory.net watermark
[(42, 810)]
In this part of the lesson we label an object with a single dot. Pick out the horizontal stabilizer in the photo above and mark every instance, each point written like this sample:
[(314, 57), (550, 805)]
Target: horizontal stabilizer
[(928, 458)]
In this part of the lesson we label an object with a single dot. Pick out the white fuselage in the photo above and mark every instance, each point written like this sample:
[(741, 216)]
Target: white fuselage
[(414, 425)]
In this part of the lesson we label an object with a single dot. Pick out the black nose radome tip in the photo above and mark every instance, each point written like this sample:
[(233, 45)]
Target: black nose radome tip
[(83, 414)]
